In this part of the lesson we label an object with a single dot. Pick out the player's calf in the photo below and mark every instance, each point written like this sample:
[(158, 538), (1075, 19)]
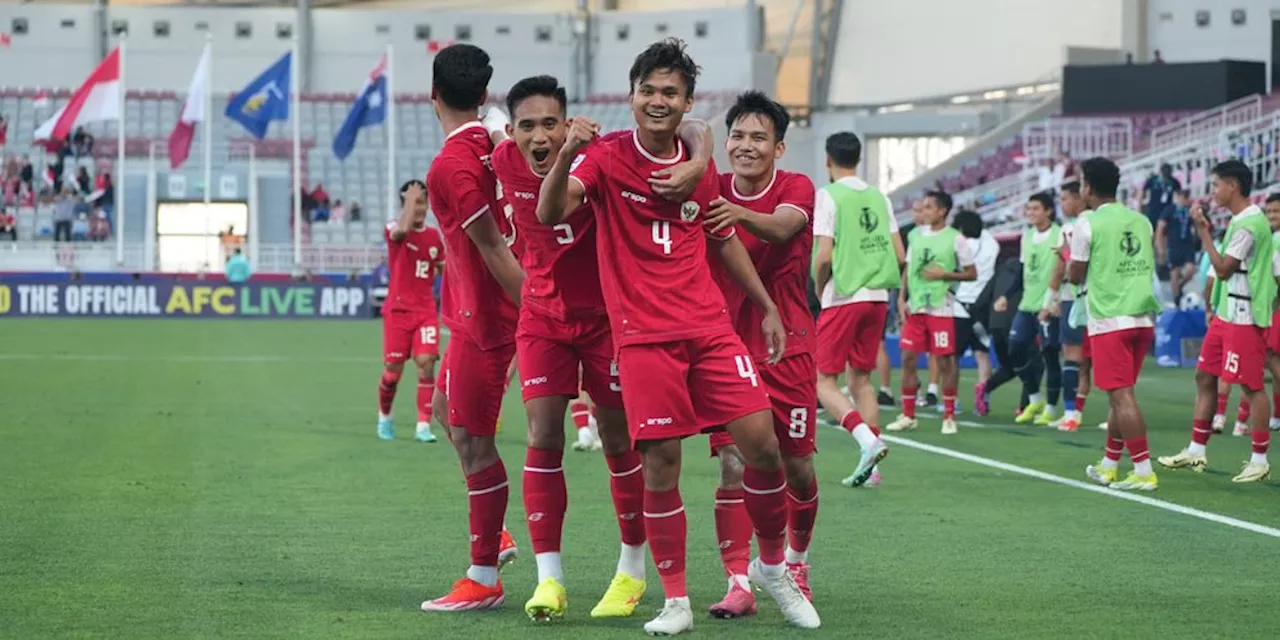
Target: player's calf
[(387, 385), (733, 533), (426, 392)]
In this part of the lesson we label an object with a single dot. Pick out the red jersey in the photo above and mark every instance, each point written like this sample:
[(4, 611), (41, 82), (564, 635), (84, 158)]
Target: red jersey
[(411, 263), (783, 268), (562, 273), (461, 189), (654, 274)]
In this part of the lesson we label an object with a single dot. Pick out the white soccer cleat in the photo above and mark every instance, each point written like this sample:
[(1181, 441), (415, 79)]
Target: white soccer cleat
[(1102, 425), (949, 427), (588, 439), (676, 617), (1274, 424), (779, 584), (1241, 429), (902, 423), (1253, 472), (1219, 423)]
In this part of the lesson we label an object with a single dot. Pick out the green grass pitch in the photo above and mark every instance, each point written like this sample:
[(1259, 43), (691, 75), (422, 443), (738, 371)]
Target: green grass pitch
[(201, 479)]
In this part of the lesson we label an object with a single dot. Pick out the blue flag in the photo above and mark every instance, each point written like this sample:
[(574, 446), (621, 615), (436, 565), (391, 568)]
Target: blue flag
[(370, 108), (263, 100)]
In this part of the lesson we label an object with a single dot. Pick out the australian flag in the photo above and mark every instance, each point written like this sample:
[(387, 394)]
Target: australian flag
[(263, 100), (370, 108)]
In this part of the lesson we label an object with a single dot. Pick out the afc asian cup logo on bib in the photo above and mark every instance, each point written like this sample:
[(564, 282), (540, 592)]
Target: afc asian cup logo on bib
[(689, 211)]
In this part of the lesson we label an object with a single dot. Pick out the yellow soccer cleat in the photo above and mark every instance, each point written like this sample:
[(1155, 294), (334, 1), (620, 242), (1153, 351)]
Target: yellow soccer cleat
[(1101, 474), (1135, 482), (1047, 417), (620, 599), (1184, 460), (1030, 412), (1253, 472), (548, 603)]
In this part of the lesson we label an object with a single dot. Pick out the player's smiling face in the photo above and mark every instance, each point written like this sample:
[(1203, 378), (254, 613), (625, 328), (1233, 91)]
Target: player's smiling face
[(752, 145), (1072, 203), (1036, 214), (931, 213), (1273, 215), (539, 131), (1222, 191), (660, 100)]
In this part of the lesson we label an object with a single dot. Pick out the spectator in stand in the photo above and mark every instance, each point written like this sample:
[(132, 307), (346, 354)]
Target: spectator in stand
[(321, 213), (1177, 243), (99, 226), (337, 212), (82, 142), (80, 227), (320, 196), (1158, 192), (83, 182), (8, 225), (57, 168), (108, 198), (355, 212), (237, 268), (26, 173), (4, 133), (1158, 59), (64, 212)]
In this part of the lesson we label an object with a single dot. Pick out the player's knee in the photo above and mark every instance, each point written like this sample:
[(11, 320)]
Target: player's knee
[(661, 464), (476, 453), (731, 467), (426, 368), (546, 434), (1206, 381), (800, 474), (440, 407), (394, 368)]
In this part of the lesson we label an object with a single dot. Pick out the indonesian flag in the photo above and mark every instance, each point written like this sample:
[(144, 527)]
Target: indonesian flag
[(434, 46), (41, 100), (97, 100), (49, 178), (184, 131), (5, 40)]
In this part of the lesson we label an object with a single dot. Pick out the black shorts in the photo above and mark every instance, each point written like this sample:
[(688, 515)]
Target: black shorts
[(971, 335), (1181, 256)]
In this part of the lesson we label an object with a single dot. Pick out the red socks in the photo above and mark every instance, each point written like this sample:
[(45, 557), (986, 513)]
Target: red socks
[(626, 482), (426, 389), (1244, 411), (1114, 448), (545, 498), (909, 401), (1137, 450), (667, 529), (1275, 406), (733, 531), (802, 511), (487, 494), (851, 420), (1261, 441), (1222, 404), (948, 403), (1201, 430), (764, 493), (1080, 403), (578, 409), (387, 391)]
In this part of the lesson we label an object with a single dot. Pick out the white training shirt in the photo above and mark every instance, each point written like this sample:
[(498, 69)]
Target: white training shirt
[(1240, 246), (985, 250), (1081, 237), (1067, 292), (824, 224), (964, 256)]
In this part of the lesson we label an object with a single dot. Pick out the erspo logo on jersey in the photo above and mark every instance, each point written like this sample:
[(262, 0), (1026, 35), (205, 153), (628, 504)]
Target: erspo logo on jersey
[(171, 298)]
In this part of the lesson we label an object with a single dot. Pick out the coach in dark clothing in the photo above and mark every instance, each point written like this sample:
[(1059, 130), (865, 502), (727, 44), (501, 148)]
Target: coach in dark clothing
[(1158, 193), (1177, 242), (1000, 322)]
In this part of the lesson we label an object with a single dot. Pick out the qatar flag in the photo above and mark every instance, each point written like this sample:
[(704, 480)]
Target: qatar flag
[(184, 131), (97, 100)]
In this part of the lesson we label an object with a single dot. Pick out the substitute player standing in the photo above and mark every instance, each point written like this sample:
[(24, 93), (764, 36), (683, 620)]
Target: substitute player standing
[(683, 368), (481, 288), (857, 262), (774, 208), (937, 255), (1076, 370), (1111, 245), (1235, 348), (415, 253), (563, 330)]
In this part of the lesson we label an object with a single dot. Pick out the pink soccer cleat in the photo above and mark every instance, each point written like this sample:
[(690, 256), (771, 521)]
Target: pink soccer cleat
[(800, 573), (980, 405), (737, 603)]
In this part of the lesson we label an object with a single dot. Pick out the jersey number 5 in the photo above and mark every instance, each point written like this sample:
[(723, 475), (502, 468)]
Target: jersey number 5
[(662, 235)]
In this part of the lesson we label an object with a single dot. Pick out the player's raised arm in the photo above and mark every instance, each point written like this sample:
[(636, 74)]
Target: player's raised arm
[(414, 192), (738, 263), (678, 181), (495, 121), (484, 233), (559, 195), (1224, 264)]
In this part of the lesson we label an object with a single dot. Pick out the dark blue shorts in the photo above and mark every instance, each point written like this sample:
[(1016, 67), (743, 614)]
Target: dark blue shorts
[(1180, 256), (1027, 327), (1066, 334)]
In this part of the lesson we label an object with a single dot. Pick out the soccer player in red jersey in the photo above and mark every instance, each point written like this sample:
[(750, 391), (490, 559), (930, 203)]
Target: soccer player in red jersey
[(683, 368), (775, 208), (415, 253), (481, 289), (564, 344)]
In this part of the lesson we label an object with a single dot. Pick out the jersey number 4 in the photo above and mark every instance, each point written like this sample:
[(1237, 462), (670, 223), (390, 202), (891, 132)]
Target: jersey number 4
[(662, 235)]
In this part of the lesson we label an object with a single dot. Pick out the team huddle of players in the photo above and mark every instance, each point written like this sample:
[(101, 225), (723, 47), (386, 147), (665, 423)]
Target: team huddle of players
[(625, 266)]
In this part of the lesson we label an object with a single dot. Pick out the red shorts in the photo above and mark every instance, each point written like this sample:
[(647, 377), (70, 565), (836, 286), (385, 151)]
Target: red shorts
[(551, 352), (474, 381), (850, 334), (1236, 353), (679, 389), (409, 333), (929, 334), (793, 392), (1126, 351), (1273, 333), (1086, 346)]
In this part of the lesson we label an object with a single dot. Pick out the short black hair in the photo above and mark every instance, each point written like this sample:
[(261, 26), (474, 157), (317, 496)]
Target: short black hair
[(1072, 187), (460, 76), (757, 103), (1275, 197), (942, 198), (1102, 175), (1045, 200), (1238, 171), (405, 188), (669, 54), (968, 223), (547, 86), (1186, 193), (844, 149)]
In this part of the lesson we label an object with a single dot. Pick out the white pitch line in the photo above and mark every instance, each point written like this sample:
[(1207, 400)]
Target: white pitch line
[(1122, 495), (123, 357)]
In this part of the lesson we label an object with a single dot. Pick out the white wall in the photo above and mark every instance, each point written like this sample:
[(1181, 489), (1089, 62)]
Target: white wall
[(898, 50), (1172, 29)]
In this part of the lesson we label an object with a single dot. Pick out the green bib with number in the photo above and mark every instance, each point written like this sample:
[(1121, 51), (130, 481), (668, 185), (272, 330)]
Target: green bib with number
[(1037, 267), (937, 249), (1122, 264), (863, 256), (1261, 284)]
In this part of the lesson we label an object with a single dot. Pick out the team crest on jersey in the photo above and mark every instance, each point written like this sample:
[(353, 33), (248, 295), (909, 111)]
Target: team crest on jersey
[(433, 252), (689, 211), (577, 161)]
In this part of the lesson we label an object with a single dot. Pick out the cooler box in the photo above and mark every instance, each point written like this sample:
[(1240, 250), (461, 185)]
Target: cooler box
[(1178, 337)]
